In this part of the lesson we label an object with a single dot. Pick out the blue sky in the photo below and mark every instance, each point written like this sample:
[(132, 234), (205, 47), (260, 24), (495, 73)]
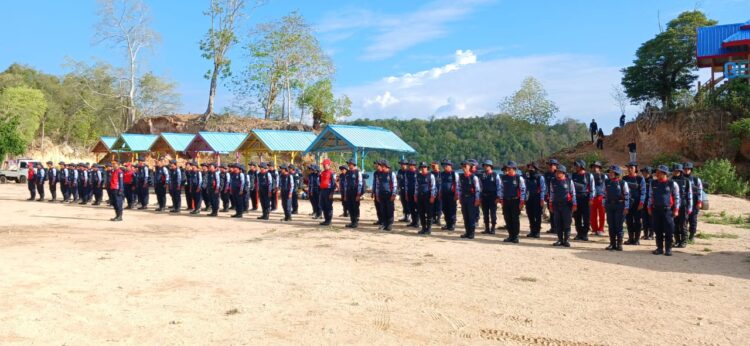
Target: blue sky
[(402, 59)]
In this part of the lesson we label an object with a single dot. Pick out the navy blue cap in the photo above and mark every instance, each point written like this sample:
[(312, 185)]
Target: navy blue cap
[(532, 165), (263, 165), (562, 168), (581, 163), (343, 167), (283, 166), (487, 163), (552, 162), (688, 165), (647, 169), (291, 166), (61, 163), (596, 164), (423, 164), (412, 163), (510, 164), (632, 164), (663, 169), (447, 162), (351, 162), (615, 169), (403, 162), (385, 164), (678, 167), (473, 162)]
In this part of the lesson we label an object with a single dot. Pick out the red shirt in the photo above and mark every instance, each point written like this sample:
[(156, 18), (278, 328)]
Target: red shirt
[(114, 181), (325, 179), (128, 177), (30, 174)]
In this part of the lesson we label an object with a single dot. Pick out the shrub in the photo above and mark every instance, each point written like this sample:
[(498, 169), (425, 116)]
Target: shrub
[(721, 177), (666, 159), (734, 98), (740, 128)]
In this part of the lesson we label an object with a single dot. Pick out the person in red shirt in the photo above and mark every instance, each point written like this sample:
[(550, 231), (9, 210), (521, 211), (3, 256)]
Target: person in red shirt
[(327, 187), (128, 179), (30, 178), (116, 189)]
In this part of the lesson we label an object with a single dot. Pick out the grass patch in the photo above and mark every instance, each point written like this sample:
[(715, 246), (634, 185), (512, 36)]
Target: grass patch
[(741, 221), (721, 235), (705, 249), (231, 312), (526, 279)]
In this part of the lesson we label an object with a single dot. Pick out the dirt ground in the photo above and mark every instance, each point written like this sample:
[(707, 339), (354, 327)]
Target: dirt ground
[(69, 276)]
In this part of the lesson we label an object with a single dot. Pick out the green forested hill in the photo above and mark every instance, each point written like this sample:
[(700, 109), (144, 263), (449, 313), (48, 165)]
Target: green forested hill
[(499, 138)]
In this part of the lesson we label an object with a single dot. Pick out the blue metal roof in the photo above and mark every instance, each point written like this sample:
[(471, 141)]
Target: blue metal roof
[(133, 142), (218, 142), (280, 140), (359, 137), (108, 141), (178, 141), (710, 39), (742, 35)]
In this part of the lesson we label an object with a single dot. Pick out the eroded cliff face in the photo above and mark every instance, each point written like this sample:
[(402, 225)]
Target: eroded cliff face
[(190, 124), (695, 136)]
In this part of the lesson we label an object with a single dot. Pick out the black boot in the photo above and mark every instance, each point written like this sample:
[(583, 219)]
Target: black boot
[(566, 242), (619, 243), (492, 229), (637, 238), (612, 243), (486, 229)]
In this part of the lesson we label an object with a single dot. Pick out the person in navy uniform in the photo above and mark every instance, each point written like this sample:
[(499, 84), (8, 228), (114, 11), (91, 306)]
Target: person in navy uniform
[(117, 189), (52, 176), (536, 191), (512, 196), (549, 177), (64, 173), (204, 187), (637, 186), (275, 176), (252, 185), (196, 184), (265, 190), (583, 182), (663, 208), (597, 207), (327, 184), (352, 192), (411, 183), (425, 192), (477, 211), (237, 188), (286, 188), (375, 177), (161, 184), (225, 188), (447, 194), (248, 176), (175, 186), (616, 201), (697, 184), (313, 190), (142, 183), (40, 176), (97, 184), (685, 207), (386, 190), (468, 191), (297, 177), (73, 182), (562, 203), (213, 189), (404, 199), (648, 231), (437, 207), (188, 174), (490, 182), (343, 170)]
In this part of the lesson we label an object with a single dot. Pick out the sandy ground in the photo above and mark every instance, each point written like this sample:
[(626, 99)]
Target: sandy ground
[(68, 276)]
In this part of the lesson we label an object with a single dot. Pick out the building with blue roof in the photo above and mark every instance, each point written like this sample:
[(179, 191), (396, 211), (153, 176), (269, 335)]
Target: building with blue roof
[(359, 140), (215, 143), (173, 144), (103, 146), (725, 49), (275, 143)]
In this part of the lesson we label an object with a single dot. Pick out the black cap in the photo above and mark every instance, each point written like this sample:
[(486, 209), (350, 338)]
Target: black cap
[(647, 169), (271, 164), (423, 164), (511, 164), (447, 163), (562, 169), (61, 163), (552, 162), (263, 165), (141, 159), (351, 162), (49, 162), (283, 166), (532, 165), (385, 164), (688, 165), (632, 164), (291, 166), (343, 167), (412, 163), (403, 162), (580, 163), (678, 167)]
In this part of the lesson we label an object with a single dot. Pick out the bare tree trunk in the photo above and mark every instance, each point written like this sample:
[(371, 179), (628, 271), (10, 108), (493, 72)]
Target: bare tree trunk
[(212, 93), (131, 92), (44, 120), (317, 116)]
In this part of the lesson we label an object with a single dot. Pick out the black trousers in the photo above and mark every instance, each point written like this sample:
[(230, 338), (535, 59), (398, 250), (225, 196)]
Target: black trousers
[(53, 190), (489, 209), (404, 203), (40, 190), (315, 201), (633, 221), (239, 202), (74, 191), (176, 198), (161, 195), (117, 202), (128, 194), (448, 205), (468, 211), (189, 197), (97, 194), (615, 220), (534, 213), (385, 209), (225, 200), (352, 205), (143, 195), (437, 210), (693, 221), (663, 224), (274, 199), (295, 201), (378, 211), (582, 216), (65, 191), (254, 199), (265, 201), (326, 204), (512, 216), (646, 222), (246, 200), (32, 189), (205, 199), (110, 199), (562, 218), (424, 210), (413, 208), (286, 204), (197, 198), (681, 226), (213, 200)]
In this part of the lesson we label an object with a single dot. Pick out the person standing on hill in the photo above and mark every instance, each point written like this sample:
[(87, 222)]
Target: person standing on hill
[(286, 188), (632, 151), (622, 121), (511, 193), (469, 191), (313, 191), (562, 205), (31, 182), (536, 190), (617, 200), (175, 186), (697, 185), (52, 175), (583, 182), (597, 207), (593, 128), (600, 140), (685, 207), (663, 208)]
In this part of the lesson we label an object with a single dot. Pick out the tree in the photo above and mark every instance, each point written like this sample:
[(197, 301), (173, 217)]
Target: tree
[(530, 103), (226, 16), (666, 64), (25, 104), (157, 96), (284, 58), (325, 109), (619, 97), (125, 24), (10, 139)]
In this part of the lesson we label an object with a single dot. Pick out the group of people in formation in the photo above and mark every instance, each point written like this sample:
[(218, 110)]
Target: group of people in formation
[(661, 204)]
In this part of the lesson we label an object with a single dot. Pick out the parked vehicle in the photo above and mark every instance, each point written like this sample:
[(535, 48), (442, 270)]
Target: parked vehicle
[(16, 170)]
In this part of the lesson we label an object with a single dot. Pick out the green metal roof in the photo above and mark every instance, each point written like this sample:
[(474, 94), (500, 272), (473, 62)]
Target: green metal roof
[(178, 141), (280, 140), (218, 142), (359, 137), (132, 142)]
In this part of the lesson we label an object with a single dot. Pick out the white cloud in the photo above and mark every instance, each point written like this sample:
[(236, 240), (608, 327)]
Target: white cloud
[(382, 101), (580, 85), (394, 33), (462, 58)]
